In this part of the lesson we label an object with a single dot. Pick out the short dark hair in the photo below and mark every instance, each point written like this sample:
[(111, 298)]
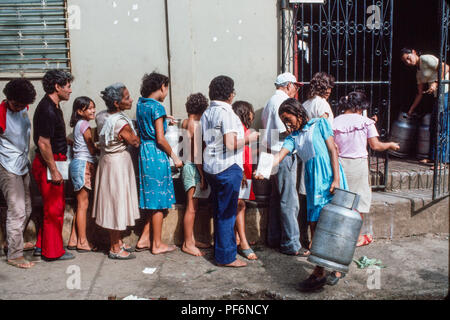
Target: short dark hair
[(20, 90), (243, 109), (153, 82), (319, 84), (196, 103), (55, 77), (408, 51), (221, 88), (354, 101), (294, 107), (80, 103)]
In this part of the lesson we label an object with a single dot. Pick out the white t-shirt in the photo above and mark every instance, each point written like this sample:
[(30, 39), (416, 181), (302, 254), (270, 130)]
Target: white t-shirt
[(80, 148), (316, 107), (428, 72), (272, 123), (218, 120)]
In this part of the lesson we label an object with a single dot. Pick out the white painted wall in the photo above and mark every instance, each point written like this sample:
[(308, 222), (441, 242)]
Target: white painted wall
[(120, 40), (237, 38)]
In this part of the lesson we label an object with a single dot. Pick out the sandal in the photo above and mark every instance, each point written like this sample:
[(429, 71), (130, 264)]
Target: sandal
[(117, 256), (364, 240), (21, 263), (332, 279), (247, 252), (130, 249)]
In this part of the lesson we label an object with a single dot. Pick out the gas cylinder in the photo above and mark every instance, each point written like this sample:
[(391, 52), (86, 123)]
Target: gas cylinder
[(337, 232), (423, 138), (404, 132)]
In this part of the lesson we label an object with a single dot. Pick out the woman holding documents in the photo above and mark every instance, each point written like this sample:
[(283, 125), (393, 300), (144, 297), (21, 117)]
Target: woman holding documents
[(313, 140)]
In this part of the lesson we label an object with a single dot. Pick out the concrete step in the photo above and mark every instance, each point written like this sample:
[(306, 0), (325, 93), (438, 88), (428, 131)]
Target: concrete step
[(393, 215), (407, 174)]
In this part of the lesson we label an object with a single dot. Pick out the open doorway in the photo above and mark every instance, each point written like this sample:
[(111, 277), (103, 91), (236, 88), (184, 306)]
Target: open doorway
[(417, 26)]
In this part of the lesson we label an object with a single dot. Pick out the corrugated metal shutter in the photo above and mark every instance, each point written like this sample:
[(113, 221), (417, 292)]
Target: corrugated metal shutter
[(33, 37)]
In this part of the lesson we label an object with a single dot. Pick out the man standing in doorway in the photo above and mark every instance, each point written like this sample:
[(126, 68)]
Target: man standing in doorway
[(283, 229), (50, 139)]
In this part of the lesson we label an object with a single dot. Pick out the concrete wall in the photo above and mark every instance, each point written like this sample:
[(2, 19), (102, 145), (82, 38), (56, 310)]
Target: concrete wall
[(120, 40), (234, 37)]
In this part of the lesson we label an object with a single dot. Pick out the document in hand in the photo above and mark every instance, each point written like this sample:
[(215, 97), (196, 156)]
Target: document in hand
[(202, 194), (265, 165), (63, 168), (244, 193)]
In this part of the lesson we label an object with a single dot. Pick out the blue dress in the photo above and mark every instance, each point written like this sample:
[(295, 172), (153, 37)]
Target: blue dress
[(309, 142), (155, 179)]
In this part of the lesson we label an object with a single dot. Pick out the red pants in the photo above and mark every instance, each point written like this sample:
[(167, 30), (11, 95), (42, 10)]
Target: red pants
[(49, 237)]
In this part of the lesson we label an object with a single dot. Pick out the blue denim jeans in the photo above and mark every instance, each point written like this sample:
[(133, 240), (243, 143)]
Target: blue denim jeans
[(225, 188), (283, 229)]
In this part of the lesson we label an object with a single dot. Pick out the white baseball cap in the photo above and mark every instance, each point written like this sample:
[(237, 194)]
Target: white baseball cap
[(287, 77)]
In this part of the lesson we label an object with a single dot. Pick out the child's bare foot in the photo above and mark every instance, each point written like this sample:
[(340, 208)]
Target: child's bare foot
[(235, 264), (192, 250), (163, 248), (202, 245)]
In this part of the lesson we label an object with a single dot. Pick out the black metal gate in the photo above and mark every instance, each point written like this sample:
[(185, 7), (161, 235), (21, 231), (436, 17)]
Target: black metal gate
[(351, 40), (442, 143)]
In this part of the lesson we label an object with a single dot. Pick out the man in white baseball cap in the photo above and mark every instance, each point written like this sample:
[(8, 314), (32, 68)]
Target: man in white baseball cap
[(283, 229)]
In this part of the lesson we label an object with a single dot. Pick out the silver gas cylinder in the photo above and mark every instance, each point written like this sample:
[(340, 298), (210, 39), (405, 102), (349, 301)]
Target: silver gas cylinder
[(423, 138), (404, 132), (337, 232)]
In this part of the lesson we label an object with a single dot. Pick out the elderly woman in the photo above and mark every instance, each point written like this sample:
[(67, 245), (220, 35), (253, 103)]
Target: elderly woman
[(427, 67), (224, 138), (115, 196)]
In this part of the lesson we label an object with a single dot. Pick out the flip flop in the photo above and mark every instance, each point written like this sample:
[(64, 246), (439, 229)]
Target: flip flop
[(303, 252), (246, 253), (71, 247), (85, 250), (367, 239), (16, 263), (137, 249)]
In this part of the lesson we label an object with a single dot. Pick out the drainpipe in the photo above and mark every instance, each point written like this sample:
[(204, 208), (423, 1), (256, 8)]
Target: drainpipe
[(284, 6), (166, 7)]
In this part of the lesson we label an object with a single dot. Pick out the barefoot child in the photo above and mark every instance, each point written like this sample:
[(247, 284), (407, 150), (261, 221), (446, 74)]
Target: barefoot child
[(314, 142), (82, 169), (192, 173), (352, 131), (245, 112)]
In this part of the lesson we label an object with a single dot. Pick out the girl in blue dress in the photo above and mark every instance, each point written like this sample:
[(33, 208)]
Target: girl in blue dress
[(312, 141), (156, 193)]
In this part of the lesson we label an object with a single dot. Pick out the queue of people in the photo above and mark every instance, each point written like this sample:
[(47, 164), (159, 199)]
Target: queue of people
[(329, 149)]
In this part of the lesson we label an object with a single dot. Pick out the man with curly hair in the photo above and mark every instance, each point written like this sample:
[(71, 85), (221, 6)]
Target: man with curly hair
[(15, 129), (282, 229), (50, 139)]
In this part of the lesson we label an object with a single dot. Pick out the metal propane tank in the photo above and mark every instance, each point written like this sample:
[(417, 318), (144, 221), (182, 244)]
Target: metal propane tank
[(337, 232), (423, 138), (404, 131)]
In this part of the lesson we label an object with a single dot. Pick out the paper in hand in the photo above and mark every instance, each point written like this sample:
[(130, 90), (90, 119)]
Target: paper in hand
[(63, 168), (265, 165), (202, 194), (244, 193)]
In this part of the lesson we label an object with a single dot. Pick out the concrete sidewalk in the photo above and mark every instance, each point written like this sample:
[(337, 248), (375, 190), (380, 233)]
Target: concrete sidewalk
[(417, 268)]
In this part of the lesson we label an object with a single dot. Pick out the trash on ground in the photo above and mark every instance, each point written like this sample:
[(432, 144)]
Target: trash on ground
[(149, 270), (131, 297), (365, 262)]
